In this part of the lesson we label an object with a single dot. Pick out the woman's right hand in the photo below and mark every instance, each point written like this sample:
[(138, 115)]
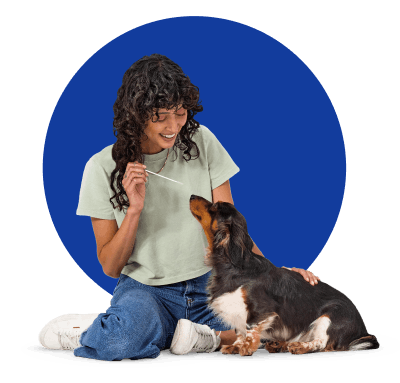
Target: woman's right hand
[(134, 183)]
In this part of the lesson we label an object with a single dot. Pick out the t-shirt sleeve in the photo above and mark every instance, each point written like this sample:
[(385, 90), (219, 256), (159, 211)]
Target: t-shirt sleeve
[(94, 196), (220, 163)]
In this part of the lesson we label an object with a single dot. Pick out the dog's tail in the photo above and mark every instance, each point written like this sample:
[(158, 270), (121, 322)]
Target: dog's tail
[(368, 342)]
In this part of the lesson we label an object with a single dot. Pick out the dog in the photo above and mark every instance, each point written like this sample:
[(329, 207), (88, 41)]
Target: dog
[(268, 306)]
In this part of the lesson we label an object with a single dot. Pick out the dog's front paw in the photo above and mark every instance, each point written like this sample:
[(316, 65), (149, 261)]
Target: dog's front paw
[(231, 349), (248, 346), (243, 346)]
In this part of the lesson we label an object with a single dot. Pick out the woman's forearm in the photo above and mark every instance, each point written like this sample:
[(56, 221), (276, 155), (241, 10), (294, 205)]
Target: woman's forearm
[(307, 275), (115, 253), (256, 250)]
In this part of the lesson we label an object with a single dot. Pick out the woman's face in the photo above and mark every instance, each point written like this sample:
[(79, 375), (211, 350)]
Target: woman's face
[(169, 124)]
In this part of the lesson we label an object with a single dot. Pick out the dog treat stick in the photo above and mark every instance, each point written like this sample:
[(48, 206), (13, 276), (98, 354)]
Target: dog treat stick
[(148, 171)]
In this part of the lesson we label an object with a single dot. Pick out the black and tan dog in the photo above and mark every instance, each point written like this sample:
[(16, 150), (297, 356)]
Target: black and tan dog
[(267, 304)]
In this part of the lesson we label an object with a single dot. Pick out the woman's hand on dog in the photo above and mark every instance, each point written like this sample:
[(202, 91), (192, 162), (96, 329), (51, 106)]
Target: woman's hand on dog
[(134, 183), (307, 275)]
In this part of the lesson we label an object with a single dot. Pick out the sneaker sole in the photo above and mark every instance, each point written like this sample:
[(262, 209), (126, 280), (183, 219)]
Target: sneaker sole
[(50, 326)]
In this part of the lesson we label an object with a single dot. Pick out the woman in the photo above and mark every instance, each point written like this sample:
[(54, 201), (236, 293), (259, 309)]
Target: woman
[(145, 233)]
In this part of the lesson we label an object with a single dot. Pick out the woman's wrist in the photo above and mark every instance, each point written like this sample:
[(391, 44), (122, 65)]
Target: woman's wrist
[(133, 211)]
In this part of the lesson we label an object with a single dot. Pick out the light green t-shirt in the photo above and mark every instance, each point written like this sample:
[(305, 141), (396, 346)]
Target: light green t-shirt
[(170, 243)]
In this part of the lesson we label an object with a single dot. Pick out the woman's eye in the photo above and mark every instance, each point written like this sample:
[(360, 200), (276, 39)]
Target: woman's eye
[(163, 118), (155, 119)]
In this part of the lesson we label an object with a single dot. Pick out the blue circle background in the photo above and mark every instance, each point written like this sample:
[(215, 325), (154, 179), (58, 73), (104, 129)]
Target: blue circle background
[(260, 100)]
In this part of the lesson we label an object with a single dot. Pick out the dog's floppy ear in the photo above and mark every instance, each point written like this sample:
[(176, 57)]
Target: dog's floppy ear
[(223, 235), (232, 238), (238, 235)]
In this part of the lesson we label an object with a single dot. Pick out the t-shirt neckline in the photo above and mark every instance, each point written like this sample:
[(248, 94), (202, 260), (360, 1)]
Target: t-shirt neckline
[(157, 156)]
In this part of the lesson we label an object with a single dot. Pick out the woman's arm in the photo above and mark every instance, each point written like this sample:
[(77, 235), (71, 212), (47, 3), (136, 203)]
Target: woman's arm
[(307, 275), (115, 246), (223, 193)]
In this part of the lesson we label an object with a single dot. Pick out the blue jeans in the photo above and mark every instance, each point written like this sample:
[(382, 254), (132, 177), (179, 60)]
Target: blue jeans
[(142, 319)]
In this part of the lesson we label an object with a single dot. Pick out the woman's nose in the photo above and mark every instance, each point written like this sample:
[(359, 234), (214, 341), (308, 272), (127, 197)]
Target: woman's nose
[(172, 123)]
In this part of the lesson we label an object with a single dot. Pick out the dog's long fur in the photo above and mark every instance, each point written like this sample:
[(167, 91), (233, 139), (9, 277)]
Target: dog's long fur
[(267, 305)]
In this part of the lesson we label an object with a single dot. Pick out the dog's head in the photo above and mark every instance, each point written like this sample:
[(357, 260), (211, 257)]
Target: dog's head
[(225, 229)]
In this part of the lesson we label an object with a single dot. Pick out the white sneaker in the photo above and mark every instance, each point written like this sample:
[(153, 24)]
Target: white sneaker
[(191, 336), (63, 332)]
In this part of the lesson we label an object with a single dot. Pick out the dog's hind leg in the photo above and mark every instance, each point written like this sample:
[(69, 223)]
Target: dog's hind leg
[(315, 339), (276, 346), (305, 347)]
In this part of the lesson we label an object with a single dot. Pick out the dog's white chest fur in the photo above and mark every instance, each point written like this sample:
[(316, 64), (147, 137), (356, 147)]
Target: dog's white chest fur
[(232, 309)]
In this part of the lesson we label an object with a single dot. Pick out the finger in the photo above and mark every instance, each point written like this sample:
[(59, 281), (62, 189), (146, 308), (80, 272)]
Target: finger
[(130, 179), (139, 185), (127, 182), (311, 278), (135, 165), (315, 279), (132, 184), (304, 273), (129, 167), (137, 181), (143, 175), (137, 171)]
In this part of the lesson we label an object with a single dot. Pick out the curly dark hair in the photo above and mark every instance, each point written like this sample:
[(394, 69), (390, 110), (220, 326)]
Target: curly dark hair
[(151, 83)]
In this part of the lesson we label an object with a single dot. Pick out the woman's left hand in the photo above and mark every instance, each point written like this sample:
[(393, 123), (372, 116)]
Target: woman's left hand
[(307, 275)]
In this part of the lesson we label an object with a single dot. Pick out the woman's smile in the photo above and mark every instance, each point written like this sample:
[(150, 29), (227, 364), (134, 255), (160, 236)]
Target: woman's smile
[(168, 137), (162, 130)]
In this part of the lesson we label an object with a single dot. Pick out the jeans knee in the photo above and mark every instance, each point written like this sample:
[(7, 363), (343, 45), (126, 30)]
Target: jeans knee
[(131, 328)]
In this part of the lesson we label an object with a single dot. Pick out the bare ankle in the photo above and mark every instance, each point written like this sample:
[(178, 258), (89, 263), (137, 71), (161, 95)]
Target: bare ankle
[(227, 337)]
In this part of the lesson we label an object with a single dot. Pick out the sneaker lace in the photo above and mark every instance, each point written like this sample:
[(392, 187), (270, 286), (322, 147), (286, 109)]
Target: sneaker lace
[(69, 339), (206, 340)]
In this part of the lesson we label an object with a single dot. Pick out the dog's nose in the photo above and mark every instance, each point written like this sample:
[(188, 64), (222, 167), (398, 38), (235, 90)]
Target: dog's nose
[(192, 197)]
